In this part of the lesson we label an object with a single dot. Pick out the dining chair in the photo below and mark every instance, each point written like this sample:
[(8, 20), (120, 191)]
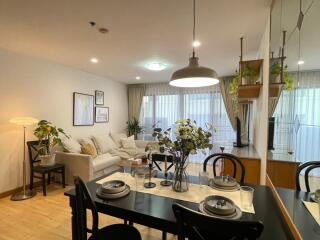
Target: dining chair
[(111, 232), (308, 167), (40, 172), (194, 225), (225, 156)]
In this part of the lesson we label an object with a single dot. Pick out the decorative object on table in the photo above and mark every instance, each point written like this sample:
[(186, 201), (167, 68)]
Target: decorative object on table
[(99, 97), (150, 184), (134, 128), (48, 136), (83, 106), (225, 183), (220, 207), (222, 148), (166, 182), (189, 139), (101, 114), (194, 75), (24, 122), (113, 190)]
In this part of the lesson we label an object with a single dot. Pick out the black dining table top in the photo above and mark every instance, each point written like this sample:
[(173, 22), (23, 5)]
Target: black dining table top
[(156, 211), (308, 228)]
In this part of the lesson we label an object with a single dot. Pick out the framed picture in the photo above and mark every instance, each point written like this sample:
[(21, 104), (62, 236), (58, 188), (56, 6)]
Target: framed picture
[(102, 115), (83, 106), (99, 97)]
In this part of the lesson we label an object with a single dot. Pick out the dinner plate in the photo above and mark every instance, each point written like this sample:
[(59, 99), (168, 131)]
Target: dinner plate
[(103, 195), (113, 186), (225, 189), (236, 215), (219, 205), (224, 181)]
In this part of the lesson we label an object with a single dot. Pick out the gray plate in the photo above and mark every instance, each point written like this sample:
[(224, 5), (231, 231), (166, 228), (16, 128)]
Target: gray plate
[(224, 181), (225, 189), (214, 205), (113, 195), (234, 216), (114, 186)]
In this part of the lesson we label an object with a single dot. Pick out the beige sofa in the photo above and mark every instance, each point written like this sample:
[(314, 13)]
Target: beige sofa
[(110, 152)]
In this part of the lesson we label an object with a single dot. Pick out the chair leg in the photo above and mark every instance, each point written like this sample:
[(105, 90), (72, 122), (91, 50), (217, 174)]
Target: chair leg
[(164, 235), (31, 180), (44, 184), (49, 176), (63, 175)]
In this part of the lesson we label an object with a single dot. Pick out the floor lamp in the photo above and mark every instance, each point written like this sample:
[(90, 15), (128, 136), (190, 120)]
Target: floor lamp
[(24, 194)]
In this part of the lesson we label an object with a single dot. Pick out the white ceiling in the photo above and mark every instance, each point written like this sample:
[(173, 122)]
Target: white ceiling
[(140, 31)]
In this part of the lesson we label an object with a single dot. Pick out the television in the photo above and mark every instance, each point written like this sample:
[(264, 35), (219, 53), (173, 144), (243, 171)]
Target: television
[(238, 142)]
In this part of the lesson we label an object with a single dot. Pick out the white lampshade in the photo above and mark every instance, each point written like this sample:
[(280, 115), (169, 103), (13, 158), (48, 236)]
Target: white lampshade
[(24, 121), (194, 75)]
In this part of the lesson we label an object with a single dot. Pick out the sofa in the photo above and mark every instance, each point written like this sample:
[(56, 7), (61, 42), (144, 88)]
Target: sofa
[(105, 152)]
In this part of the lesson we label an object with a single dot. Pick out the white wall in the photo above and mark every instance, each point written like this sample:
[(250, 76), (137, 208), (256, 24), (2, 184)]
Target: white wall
[(260, 118), (44, 90)]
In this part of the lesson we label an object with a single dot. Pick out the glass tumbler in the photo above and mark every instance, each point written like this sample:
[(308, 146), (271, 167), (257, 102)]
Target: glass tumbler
[(246, 194), (203, 179)]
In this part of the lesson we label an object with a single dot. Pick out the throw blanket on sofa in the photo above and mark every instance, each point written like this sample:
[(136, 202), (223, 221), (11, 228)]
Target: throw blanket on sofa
[(127, 153)]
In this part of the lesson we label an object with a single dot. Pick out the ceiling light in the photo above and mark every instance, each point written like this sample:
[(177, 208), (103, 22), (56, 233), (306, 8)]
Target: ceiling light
[(94, 60), (300, 62), (196, 43), (156, 66), (138, 77), (194, 75)]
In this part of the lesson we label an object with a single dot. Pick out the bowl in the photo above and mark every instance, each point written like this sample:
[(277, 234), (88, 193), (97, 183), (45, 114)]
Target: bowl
[(219, 205), (112, 187), (224, 181)]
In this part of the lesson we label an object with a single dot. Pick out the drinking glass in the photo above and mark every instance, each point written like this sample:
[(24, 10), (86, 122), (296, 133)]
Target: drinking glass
[(127, 167), (140, 178), (246, 194), (203, 179)]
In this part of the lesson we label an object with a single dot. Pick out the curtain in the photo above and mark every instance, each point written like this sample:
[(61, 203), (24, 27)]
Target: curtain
[(297, 119), (135, 97)]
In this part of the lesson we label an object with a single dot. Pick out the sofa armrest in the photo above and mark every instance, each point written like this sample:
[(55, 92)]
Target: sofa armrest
[(76, 165)]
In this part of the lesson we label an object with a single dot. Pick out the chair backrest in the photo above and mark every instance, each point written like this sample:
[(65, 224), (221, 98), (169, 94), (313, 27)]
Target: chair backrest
[(33, 147), (308, 166), (225, 156), (197, 226), (84, 201)]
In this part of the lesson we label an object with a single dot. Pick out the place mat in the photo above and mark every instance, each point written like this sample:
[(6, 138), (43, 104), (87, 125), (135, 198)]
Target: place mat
[(313, 209), (195, 193)]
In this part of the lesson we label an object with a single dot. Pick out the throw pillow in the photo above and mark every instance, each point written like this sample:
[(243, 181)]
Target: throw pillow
[(71, 145), (103, 144), (89, 149), (116, 137), (128, 142)]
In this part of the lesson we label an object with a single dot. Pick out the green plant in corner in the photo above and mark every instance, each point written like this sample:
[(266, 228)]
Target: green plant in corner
[(233, 89), (45, 131), (134, 127), (288, 80)]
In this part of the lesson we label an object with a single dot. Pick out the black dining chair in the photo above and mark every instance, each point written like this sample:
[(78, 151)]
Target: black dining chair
[(40, 172), (308, 167), (194, 225), (112, 232), (225, 156)]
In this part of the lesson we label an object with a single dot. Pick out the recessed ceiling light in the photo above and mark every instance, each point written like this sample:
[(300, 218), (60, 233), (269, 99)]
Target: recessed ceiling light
[(138, 77), (300, 62), (156, 66), (196, 43), (94, 60)]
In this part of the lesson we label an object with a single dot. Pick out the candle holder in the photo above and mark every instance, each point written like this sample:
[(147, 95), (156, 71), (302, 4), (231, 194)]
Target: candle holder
[(150, 184), (166, 182)]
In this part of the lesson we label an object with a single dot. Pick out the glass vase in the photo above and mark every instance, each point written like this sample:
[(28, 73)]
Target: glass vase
[(180, 178)]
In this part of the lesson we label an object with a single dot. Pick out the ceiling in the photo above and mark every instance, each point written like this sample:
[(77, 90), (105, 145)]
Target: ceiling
[(139, 31)]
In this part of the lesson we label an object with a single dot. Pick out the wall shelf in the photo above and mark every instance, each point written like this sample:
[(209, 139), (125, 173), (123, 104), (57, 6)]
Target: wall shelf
[(275, 89), (249, 91)]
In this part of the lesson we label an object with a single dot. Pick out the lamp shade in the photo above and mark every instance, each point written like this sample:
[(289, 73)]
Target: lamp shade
[(194, 75), (24, 121)]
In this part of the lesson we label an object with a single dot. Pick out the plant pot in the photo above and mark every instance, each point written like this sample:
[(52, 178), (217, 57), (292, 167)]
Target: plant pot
[(47, 160), (180, 179), (275, 78)]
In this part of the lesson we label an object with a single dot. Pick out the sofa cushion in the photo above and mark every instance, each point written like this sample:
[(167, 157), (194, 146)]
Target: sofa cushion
[(103, 143), (89, 150), (103, 161), (116, 137), (128, 142), (71, 145)]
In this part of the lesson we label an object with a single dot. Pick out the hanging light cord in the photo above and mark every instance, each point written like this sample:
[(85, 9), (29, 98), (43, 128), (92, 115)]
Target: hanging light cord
[(194, 27)]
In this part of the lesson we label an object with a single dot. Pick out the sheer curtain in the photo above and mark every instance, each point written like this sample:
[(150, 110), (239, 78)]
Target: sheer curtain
[(297, 124), (163, 105)]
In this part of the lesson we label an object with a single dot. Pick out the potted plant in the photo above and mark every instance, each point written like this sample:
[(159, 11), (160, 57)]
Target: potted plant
[(288, 80), (188, 139), (233, 89), (275, 72), (134, 128), (249, 75), (48, 136)]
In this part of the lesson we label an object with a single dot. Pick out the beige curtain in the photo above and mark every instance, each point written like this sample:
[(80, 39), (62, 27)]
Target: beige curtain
[(227, 99), (135, 97)]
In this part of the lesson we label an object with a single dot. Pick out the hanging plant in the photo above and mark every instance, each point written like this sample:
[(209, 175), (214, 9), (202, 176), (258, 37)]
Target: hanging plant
[(233, 89)]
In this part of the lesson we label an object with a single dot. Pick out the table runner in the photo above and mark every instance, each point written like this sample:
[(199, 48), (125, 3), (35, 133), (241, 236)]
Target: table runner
[(195, 193), (313, 209)]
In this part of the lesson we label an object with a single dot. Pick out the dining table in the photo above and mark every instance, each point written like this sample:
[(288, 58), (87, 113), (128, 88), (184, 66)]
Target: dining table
[(156, 212)]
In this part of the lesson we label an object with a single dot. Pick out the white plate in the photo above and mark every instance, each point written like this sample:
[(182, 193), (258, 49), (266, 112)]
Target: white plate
[(125, 192), (234, 216)]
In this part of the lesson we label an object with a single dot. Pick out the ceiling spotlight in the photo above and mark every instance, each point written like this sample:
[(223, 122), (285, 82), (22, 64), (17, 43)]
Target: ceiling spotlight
[(94, 60), (156, 66), (138, 77), (300, 62), (196, 43)]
